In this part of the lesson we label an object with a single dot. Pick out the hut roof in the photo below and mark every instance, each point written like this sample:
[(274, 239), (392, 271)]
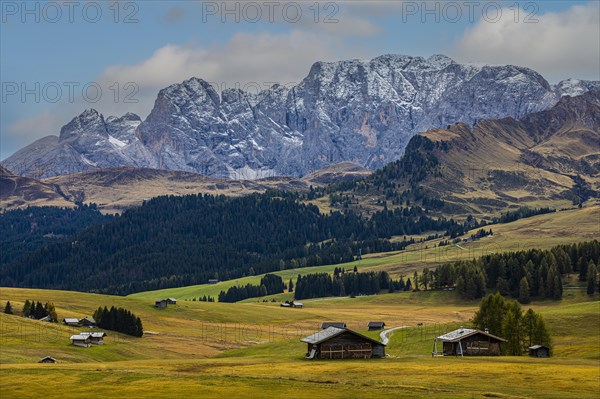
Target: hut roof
[(172, 299), (80, 337), (88, 319), (376, 324), (71, 320), (331, 332), (337, 324), (534, 347), (462, 333), (99, 334), (47, 358)]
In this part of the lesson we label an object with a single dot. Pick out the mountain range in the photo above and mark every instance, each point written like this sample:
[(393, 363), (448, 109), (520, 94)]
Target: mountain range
[(363, 112)]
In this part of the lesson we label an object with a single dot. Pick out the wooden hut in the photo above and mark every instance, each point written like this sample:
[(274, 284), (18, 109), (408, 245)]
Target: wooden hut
[(171, 301), (539, 351), (71, 321), (47, 359), (341, 343), (468, 342), (87, 322), (297, 305), (376, 325), (47, 319), (81, 340), (161, 303), (336, 324), (96, 338)]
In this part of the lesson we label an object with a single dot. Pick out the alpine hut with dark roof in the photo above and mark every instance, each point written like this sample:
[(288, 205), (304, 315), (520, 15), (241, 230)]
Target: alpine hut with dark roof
[(341, 343), (468, 342)]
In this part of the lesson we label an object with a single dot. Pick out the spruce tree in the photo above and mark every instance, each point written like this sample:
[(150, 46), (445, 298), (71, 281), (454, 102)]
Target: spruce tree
[(591, 278), (26, 308), (524, 291), (8, 308)]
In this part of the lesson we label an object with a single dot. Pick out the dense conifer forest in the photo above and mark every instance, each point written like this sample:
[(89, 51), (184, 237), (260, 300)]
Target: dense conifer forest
[(177, 241), (23, 231)]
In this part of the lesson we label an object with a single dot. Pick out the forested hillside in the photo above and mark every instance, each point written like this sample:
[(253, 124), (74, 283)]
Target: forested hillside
[(177, 241), (24, 231)]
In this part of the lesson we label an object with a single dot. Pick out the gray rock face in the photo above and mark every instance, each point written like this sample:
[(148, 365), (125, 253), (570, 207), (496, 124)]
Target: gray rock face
[(359, 111)]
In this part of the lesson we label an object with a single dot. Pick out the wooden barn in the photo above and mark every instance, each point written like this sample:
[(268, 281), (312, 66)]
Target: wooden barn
[(171, 301), (467, 342), (87, 322), (297, 305), (71, 321), (47, 359), (539, 351), (376, 325), (96, 338), (161, 303), (81, 340), (336, 324), (341, 343)]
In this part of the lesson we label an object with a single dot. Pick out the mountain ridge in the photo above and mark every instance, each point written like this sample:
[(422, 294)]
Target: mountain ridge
[(363, 111)]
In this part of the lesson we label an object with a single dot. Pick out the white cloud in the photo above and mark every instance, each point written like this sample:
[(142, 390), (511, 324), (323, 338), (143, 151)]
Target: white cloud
[(559, 45), (43, 124)]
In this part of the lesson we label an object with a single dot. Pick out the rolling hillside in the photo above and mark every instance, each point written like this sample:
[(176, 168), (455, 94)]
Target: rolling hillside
[(546, 159)]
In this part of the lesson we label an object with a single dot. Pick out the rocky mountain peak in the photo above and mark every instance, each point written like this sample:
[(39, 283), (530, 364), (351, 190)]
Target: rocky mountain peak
[(361, 111)]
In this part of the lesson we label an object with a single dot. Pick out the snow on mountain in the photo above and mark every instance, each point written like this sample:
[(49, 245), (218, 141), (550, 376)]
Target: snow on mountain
[(362, 111)]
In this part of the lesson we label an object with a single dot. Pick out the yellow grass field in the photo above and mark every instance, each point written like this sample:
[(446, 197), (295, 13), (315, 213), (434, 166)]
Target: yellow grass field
[(252, 350)]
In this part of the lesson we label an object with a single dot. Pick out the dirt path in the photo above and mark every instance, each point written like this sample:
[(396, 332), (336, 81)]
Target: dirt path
[(384, 335)]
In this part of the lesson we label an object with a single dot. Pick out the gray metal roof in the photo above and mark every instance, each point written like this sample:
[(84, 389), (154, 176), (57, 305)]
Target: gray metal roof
[(323, 335), (71, 320), (462, 333), (331, 332), (90, 319), (376, 324), (80, 337), (94, 334)]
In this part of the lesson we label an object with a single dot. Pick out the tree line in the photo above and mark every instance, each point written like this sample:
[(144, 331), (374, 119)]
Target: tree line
[(341, 283), (269, 284), (521, 275), (119, 319), (178, 241)]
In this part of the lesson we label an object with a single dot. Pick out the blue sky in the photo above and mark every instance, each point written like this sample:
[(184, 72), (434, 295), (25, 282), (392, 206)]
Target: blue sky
[(134, 49)]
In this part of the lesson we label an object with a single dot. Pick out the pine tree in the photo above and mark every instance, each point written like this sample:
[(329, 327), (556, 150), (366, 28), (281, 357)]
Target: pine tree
[(591, 278), (524, 291), (8, 308), (26, 308), (291, 286)]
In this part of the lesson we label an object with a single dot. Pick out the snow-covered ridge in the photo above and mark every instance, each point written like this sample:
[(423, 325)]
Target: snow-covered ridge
[(363, 111)]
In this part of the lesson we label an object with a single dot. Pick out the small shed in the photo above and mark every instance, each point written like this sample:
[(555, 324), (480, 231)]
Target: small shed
[(171, 301), (539, 351), (376, 325), (160, 303), (298, 305), (87, 322), (341, 343), (47, 319), (71, 321), (336, 324), (285, 305), (81, 340), (213, 281), (47, 359), (468, 342), (96, 338)]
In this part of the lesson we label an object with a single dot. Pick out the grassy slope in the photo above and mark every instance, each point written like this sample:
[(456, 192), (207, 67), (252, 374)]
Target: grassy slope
[(182, 358), (542, 231), (252, 349)]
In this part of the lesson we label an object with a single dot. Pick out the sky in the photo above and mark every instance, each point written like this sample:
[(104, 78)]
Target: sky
[(58, 58)]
